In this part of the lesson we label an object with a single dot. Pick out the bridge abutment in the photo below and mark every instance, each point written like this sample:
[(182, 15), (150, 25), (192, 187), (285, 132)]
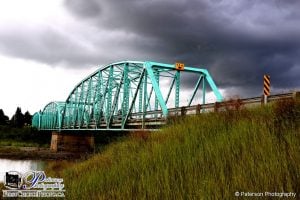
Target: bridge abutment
[(72, 142)]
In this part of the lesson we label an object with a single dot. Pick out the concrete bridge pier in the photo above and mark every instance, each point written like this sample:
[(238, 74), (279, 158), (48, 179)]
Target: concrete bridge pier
[(72, 141)]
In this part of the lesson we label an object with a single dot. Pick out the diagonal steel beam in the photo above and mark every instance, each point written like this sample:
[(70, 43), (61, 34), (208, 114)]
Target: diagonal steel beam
[(133, 99), (195, 90)]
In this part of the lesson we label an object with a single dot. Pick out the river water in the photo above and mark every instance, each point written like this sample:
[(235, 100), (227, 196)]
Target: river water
[(21, 166)]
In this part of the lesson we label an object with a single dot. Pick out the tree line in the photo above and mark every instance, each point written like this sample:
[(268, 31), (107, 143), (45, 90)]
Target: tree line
[(18, 119)]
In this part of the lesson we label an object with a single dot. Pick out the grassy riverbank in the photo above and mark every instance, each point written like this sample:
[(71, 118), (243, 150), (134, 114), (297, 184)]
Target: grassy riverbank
[(210, 156), (29, 143), (23, 137)]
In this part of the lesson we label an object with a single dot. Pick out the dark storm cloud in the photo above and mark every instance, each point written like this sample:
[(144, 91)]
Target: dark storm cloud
[(237, 41), (83, 9), (42, 45), (67, 49)]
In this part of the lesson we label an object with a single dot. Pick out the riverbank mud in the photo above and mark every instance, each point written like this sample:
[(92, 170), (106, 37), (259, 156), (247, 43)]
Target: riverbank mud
[(37, 153)]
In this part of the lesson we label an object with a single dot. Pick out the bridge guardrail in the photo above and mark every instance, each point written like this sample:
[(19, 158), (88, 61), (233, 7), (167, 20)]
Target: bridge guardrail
[(219, 106)]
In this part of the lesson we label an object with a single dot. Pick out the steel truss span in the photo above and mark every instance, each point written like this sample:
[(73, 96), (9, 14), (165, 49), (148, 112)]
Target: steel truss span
[(126, 95)]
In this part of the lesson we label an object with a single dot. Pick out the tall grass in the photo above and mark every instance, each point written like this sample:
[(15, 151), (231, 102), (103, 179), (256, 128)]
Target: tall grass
[(209, 156)]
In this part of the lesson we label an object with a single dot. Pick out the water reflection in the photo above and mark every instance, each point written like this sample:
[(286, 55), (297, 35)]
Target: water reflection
[(21, 166)]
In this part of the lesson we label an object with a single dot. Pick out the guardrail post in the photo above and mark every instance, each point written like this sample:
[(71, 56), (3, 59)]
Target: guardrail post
[(262, 102), (198, 109), (296, 96), (183, 111), (216, 107)]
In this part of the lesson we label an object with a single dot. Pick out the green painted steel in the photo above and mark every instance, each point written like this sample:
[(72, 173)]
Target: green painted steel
[(36, 119), (51, 116), (123, 95)]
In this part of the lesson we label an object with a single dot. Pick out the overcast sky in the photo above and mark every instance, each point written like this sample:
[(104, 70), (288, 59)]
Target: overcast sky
[(48, 46)]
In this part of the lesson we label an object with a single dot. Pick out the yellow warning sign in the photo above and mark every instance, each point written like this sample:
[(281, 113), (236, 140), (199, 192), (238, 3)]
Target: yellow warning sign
[(179, 66)]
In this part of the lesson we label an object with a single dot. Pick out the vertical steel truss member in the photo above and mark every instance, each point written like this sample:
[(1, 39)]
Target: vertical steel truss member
[(145, 99), (122, 93), (110, 91), (126, 85), (157, 79), (177, 80)]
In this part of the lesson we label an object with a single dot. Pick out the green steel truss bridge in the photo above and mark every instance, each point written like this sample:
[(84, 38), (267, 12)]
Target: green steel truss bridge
[(127, 95)]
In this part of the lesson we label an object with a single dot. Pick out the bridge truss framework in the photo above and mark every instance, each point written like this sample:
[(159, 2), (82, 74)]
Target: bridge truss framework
[(124, 95)]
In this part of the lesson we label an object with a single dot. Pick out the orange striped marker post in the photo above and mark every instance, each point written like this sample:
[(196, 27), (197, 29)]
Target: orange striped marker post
[(267, 87)]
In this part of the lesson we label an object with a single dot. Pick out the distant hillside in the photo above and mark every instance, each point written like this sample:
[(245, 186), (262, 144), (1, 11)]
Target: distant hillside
[(209, 156)]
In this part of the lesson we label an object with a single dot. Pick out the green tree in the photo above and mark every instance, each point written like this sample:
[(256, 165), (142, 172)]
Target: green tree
[(18, 119), (3, 118), (27, 118)]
